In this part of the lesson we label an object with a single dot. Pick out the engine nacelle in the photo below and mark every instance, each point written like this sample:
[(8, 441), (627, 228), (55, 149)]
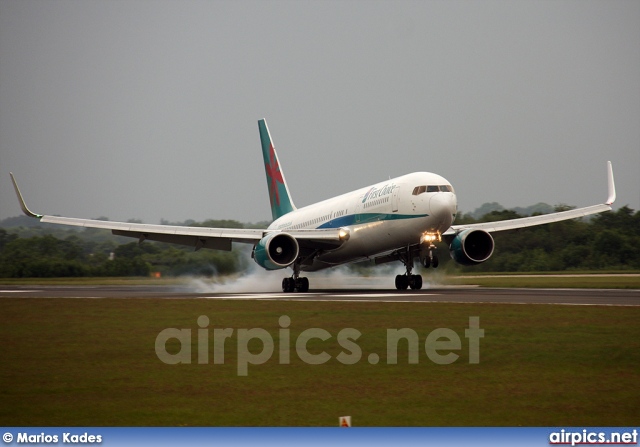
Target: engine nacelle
[(276, 251), (471, 247)]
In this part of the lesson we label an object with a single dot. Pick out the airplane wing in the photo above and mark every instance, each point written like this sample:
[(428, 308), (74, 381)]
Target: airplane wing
[(523, 222), (197, 237)]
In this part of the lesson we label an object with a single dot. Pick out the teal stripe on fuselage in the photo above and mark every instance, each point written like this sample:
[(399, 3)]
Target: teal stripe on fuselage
[(344, 221)]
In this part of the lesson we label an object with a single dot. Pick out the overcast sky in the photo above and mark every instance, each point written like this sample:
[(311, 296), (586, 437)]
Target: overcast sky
[(149, 109)]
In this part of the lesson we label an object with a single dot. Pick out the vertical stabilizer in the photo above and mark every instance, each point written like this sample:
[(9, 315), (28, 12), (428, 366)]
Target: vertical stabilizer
[(279, 196)]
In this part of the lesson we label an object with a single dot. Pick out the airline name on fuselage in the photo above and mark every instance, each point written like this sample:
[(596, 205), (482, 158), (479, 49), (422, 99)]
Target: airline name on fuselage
[(374, 193)]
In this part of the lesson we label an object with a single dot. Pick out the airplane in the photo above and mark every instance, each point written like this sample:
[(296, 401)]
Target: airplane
[(399, 219)]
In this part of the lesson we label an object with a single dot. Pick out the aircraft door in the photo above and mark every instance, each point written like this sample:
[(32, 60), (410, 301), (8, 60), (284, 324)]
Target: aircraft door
[(395, 199)]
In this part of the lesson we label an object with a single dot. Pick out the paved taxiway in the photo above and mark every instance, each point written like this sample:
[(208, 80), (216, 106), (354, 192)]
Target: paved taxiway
[(608, 297)]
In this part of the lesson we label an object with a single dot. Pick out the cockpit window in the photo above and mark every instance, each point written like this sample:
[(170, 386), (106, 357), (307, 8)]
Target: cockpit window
[(431, 188), (419, 190)]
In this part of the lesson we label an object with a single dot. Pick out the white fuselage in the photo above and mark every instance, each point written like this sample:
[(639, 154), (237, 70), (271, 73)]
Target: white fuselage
[(380, 218)]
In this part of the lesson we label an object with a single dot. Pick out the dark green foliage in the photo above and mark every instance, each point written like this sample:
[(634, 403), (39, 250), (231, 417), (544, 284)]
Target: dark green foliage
[(6, 237), (46, 253), (41, 257)]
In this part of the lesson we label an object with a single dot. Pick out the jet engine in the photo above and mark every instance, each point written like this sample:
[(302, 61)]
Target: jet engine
[(471, 247), (276, 251)]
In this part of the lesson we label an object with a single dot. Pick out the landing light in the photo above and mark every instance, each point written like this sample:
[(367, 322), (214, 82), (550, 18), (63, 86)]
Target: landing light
[(430, 237), (343, 234)]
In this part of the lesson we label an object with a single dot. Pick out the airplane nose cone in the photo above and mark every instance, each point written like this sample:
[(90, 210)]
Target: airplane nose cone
[(443, 206)]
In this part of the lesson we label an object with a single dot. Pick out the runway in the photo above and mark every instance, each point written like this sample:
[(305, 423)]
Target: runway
[(583, 297)]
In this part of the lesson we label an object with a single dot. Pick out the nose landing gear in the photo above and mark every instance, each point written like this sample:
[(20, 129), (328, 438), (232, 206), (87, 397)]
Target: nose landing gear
[(428, 254), (432, 259)]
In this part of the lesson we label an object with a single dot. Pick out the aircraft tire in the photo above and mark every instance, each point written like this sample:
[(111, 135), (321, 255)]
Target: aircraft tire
[(415, 282), (302, 284), (402, 282), (288, 285)]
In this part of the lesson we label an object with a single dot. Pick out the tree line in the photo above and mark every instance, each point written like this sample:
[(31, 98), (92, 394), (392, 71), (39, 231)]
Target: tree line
[(51, 251), (606, 241)]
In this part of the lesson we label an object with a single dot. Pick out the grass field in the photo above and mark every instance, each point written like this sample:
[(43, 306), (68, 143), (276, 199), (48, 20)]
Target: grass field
[(93, 363)]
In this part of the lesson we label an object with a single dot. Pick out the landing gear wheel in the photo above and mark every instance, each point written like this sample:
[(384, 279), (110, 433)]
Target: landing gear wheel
[(430, 259), (415, 282), (288, 285), (302, 284), (295, 284), (402, 282)]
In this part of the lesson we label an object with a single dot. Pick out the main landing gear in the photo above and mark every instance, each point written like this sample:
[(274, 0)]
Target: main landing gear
[(296, 282), (410, 280), (292, 284)]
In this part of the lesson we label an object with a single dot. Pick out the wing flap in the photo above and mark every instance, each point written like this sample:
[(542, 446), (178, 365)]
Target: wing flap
[(198, 242)]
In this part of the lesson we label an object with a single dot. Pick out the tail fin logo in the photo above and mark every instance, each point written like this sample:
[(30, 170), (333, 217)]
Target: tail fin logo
[(279, 197), (275, 176)]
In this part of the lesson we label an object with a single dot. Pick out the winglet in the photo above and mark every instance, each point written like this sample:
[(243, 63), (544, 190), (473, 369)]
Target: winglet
[(611, 185), (23, 205), (279, 195)]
